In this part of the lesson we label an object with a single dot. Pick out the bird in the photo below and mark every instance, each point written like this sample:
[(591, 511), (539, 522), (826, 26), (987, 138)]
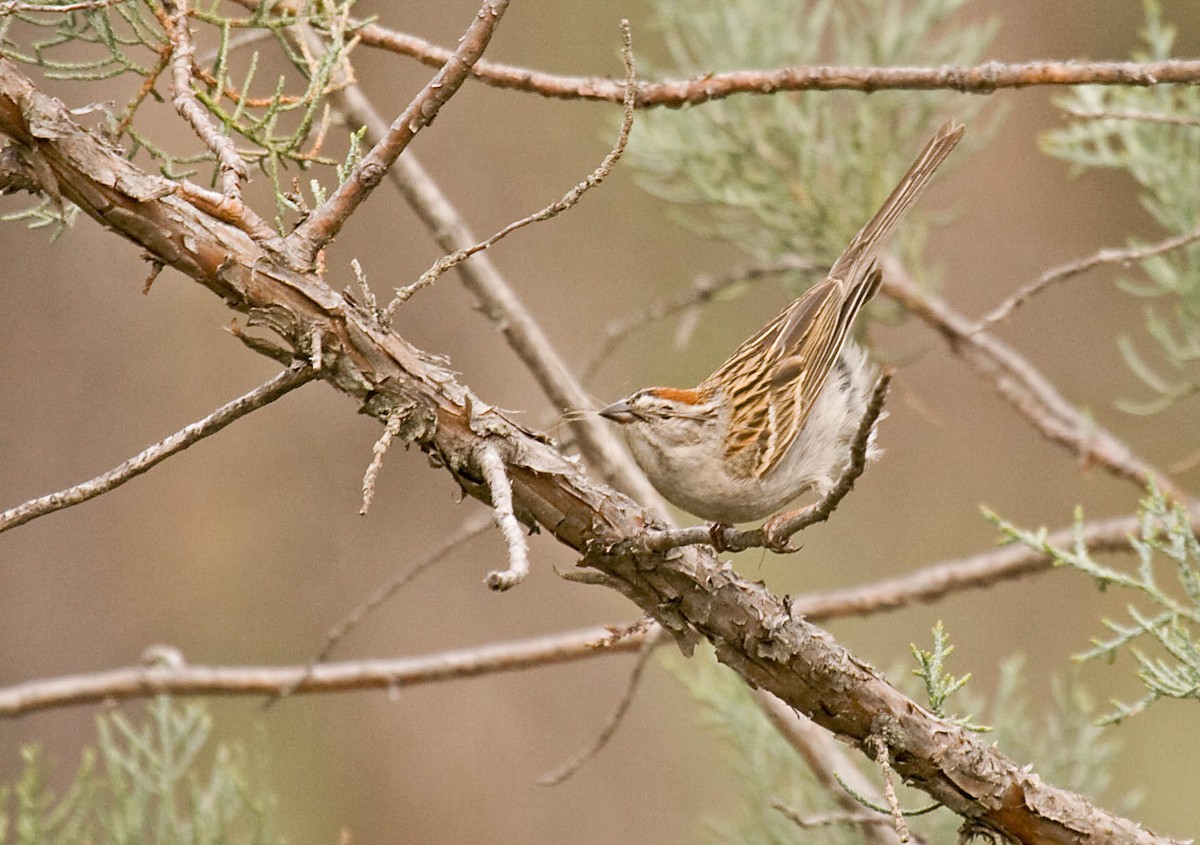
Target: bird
[(778, 418)]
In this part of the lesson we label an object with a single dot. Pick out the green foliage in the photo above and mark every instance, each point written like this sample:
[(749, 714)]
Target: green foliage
[(1171, 623), (48, 213), (284, 122), (940, 684), (796, 173), (1063, 744), (1153, 134), (145, 784)]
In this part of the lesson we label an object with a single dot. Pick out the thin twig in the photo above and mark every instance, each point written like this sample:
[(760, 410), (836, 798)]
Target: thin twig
[(364, 290), (499, 302), (978, 79), (327, 220), (702, 290), (496, 476), (1134, 114), (1024, 387), (555, 208), (777, 532), (985, 78), (280, 385), (883, 760), (390, 430), (472, 527), (1066, 271), (828, 819), (974, 572), (774, 535), (143, 682), (15, 6), (557, 776), (232, 168)]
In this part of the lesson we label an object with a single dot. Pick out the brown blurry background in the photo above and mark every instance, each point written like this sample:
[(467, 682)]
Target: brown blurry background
[(244, 549)]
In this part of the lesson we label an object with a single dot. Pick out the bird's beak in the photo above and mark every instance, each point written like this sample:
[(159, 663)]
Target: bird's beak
[(619, 412)]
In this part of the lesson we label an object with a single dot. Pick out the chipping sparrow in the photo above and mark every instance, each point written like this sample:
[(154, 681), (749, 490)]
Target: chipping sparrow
[(777, 418)]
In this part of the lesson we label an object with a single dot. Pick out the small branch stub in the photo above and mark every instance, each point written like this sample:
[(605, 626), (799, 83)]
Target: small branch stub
[(492, 466), (378, 451)]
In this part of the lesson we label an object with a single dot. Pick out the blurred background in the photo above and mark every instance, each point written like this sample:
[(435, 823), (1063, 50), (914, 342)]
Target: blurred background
[(247, 547)]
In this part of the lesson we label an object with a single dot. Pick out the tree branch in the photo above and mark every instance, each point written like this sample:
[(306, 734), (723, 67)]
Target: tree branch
[(985, 78), (183, 679), (1024, 387), (979, 79), (325, 222), (687, 590), (1108, 255), (284, 383)]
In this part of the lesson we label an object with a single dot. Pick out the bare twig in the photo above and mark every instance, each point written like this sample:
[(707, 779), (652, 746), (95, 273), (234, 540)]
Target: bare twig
[(492, 467), (1024, 387), (390, 430), (820, 820), (143, 681), (652, 639), (702, 290), (472, 527), (555, 208), (774, 535), (325, 222), (979, 79), (1134, 114), (364, 290), (777, 531), (1066, 271), (883, 760), (15, 6), (976, 571), (281, 384), (232, 168)]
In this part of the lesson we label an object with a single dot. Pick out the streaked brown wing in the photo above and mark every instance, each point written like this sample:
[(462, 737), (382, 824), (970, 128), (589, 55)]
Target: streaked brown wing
[(788, 361)]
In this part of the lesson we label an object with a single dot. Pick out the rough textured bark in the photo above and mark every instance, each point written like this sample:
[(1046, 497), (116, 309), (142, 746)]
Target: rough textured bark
[(688, 590)]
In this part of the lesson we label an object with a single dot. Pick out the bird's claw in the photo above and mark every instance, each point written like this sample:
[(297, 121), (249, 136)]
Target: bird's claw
[(773, 534)]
